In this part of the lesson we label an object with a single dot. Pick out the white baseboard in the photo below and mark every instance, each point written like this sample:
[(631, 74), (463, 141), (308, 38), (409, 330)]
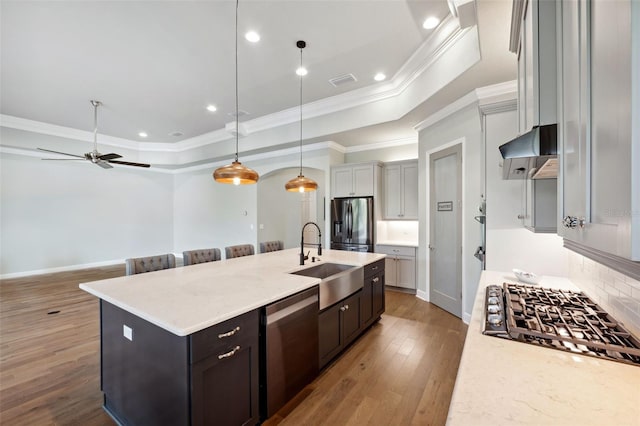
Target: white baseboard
[(466, 318), (62, 269), (422, 295)]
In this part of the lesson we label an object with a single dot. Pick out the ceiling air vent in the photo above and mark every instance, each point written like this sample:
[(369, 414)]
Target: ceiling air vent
[(343, 79)]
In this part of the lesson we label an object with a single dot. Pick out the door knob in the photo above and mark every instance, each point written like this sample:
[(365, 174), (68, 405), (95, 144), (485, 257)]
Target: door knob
[(431, 247), (572, 222)]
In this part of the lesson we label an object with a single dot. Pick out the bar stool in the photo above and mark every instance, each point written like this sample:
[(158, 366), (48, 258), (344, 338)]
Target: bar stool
[(268, 246), (139, 265), (239, 251), (192, 257)]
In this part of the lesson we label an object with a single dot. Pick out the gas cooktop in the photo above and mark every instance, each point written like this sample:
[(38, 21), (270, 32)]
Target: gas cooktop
[(558, 319)]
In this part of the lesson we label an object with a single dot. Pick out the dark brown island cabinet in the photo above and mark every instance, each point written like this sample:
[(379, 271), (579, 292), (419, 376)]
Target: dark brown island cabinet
[(150, 376), (158, 378), (341, 323)]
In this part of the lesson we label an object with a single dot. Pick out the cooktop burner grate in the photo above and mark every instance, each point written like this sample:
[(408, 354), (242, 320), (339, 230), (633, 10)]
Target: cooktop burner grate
[(558, 319)]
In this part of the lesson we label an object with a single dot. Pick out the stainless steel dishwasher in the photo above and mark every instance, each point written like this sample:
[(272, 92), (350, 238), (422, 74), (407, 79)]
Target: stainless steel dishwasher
[(289, 343)]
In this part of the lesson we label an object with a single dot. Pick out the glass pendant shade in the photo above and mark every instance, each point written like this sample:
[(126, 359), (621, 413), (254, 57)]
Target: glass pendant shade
[(301, 184), (236, 174)]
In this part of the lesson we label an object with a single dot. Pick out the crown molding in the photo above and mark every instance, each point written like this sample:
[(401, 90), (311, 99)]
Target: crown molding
[(502, 93), (382, 145)]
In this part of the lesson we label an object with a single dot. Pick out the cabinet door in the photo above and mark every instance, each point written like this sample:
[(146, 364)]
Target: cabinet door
[(366, 302), (392, 193), (378, 300), (363, 180), (225, 390), (406, 272), (574, 146), (528, 33), (390, 270), (342, 182), (329, 331), (410, 191), (351, 318)]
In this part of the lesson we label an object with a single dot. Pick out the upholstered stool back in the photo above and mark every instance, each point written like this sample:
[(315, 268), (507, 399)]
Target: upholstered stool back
[(139, 265), (191, 257), (268, 246), (239, 251)]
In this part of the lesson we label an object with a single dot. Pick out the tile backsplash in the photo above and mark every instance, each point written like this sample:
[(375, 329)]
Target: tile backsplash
[(617, 293)]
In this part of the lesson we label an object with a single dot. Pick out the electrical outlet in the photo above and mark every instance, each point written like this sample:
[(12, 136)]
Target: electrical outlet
[(127, 332)]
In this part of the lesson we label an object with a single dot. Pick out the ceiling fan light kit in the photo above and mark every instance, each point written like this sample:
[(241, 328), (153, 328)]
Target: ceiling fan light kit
[(102, 160), (236, 173), (301, 183)]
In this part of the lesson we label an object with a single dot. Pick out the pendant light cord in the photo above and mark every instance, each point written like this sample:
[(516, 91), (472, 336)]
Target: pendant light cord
[(237, 114), (301, 113)]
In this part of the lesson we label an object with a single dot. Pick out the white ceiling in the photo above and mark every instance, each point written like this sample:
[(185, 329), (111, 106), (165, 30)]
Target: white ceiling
[(155, 65)]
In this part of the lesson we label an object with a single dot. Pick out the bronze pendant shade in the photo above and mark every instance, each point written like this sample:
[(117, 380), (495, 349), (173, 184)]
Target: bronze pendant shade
[(301, 183), (236, 173)]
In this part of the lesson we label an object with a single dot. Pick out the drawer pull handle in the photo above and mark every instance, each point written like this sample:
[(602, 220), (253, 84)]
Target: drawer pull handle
[(229, 333), (376, 279), (344, 308), (232, 352), (375, 268)]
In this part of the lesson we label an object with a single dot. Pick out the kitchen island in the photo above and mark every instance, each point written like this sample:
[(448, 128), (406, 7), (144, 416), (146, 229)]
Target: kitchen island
[(182, 345), (508, 382)]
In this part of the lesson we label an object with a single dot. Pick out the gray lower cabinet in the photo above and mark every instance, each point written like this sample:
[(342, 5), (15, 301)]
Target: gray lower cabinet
[(156, 377)]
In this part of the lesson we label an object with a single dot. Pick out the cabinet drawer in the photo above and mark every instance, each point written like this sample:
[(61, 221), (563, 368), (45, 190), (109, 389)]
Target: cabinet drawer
[(396, 250), (220, 338), (373, 268)]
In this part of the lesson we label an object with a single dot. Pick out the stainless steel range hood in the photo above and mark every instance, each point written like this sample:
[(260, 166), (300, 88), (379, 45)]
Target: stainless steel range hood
[(532, 155)]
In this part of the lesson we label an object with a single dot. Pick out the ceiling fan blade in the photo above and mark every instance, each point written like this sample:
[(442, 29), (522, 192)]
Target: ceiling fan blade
[(62, 153), (61, 159), (127, 163), (104, 164), (111, 156)]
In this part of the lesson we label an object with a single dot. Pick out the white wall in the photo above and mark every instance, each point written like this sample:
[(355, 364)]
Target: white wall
[(279, 211), (462, 126), (509, 245), (209, 214), (64, 213)]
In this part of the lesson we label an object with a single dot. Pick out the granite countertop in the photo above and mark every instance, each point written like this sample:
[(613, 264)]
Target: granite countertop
[(185, 300), (507, 382)]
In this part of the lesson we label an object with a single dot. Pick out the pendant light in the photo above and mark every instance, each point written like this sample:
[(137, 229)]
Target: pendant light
[(235, 172), (301, 183)]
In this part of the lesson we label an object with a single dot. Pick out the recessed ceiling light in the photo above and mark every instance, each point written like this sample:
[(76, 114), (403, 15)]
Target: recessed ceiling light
[(211, 108), (143, 134), (301, 71), (430, 23), (379, 77), (252, 36)]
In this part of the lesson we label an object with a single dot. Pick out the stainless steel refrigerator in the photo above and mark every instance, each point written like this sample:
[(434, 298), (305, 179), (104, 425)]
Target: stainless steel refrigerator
[(352, 224)]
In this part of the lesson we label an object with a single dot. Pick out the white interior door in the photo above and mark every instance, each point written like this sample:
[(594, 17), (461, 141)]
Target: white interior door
[(445, 237)]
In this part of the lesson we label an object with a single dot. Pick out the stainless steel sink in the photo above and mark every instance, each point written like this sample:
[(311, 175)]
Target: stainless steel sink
[(323, 270), (338, 281)]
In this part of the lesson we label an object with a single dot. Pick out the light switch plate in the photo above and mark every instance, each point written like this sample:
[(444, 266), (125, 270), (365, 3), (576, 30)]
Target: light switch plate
[(127, 332)]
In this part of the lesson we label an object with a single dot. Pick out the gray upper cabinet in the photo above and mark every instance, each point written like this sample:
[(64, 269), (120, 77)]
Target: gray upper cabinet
[(354, 180), (533, 39), (401, 190), (600, 93)]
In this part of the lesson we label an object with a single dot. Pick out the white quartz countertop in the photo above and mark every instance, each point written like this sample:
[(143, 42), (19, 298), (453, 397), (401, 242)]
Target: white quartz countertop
[(504, 382), (185, 300), (397, 243)]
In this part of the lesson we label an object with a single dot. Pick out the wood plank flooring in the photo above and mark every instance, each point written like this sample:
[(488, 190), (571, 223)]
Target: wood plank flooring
[(401, 372)]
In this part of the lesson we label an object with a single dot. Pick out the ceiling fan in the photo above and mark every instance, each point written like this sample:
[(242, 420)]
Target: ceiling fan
[(102, 160)]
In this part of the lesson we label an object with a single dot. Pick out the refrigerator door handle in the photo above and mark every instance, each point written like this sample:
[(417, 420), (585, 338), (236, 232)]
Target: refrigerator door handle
[(349, 221)]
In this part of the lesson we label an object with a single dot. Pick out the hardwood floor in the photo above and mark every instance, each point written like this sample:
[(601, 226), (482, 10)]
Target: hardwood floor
[(401, 372)]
